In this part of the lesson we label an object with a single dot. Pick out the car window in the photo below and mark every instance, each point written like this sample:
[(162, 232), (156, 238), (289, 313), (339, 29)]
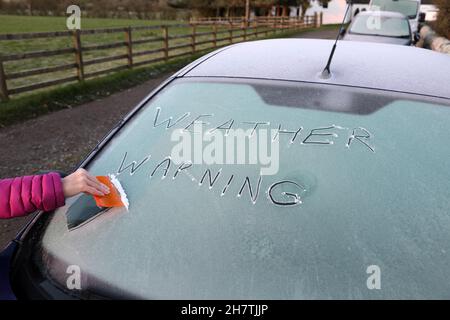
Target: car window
[(362, 181), (382, 26), (407, 7)]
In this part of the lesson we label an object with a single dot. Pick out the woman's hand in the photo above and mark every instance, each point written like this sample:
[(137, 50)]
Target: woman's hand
[(82, 181)]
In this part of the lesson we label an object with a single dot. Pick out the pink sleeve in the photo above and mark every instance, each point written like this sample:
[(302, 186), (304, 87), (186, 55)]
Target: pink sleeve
[(23, 195)]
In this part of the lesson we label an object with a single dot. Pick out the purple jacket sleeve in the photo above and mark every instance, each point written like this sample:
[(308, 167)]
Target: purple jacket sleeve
[(23, 195)]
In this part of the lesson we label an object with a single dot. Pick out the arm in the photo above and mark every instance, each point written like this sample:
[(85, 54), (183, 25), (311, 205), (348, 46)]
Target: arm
[(23, 195)]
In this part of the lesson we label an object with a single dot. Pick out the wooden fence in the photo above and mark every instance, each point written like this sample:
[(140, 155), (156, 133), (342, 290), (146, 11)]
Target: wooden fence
[(222, 33), (309, 20)]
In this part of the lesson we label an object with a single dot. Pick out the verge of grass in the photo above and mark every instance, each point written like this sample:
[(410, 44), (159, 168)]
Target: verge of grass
[(19, 46), (34, 105), (40, 103)]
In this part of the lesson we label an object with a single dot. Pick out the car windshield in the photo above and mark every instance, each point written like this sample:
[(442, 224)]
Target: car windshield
[(380, 26), (359, 180), (407, 7)]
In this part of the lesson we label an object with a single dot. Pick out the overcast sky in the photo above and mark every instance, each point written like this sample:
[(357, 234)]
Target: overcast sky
[(334, 13)]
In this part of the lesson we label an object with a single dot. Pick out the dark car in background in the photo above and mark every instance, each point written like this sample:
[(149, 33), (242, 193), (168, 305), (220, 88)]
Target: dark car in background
[(363, 184), (381, 27)]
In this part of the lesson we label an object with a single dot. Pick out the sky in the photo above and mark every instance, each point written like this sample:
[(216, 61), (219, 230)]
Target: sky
[(333, 14)]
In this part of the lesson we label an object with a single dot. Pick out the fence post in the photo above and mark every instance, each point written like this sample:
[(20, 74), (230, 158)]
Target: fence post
[(78, 54), (321, 19), (193, 38), (230, 30), (3, 87), (215, 34), (165, 32), (245, 33), (129, 44)]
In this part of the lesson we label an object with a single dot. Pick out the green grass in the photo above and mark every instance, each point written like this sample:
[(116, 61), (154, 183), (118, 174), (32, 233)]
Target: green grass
[(37, 104), (15, 24), (42, 102)]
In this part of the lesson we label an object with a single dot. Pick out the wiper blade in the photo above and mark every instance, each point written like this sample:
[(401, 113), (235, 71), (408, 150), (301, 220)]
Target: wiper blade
[(384, 35), (378, 35)]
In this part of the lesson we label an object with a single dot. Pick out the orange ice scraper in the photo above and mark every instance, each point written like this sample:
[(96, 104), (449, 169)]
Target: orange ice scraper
[(116, 197)]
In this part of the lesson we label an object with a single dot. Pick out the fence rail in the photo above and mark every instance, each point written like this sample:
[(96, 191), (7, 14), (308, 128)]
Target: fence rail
[(254, 20), (222, 30)]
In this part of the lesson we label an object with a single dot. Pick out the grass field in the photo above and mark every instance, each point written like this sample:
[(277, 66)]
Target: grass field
[(35, 103), (38, 103), (17, 24), (14, 24)]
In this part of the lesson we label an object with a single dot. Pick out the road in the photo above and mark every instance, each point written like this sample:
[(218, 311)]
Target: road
[(60, 140), (320, 34)]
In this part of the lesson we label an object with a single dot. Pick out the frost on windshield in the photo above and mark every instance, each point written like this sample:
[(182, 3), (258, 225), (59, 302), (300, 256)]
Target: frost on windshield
[(277, 191), (358, 183)]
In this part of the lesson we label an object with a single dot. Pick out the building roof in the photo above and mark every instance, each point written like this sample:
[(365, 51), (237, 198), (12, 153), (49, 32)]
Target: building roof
[(359, 64)]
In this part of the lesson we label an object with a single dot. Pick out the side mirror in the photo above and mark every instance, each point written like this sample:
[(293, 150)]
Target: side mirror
[(422, 16), (342, 32)]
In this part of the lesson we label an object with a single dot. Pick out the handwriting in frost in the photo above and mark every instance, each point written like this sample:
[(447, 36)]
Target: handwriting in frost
[(276, 193), (285, 192), (315, 136)]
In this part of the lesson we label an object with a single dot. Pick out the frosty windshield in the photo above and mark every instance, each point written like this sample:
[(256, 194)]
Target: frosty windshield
[(359, 181)]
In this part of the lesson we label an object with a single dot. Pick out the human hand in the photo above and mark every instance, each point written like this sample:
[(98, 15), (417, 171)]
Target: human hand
[(82, 181)]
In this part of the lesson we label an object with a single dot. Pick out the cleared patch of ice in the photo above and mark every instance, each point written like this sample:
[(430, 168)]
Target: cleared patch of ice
[(123, 195)]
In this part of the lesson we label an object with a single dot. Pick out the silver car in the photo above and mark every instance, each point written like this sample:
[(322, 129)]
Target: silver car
[(380, 26)]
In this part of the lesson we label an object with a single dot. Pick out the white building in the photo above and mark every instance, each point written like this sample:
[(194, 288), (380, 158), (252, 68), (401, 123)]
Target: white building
[(336, 9)]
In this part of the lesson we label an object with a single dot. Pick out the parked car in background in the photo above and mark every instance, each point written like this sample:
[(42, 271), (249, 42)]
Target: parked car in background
[(380, 26), (362, 185), (410, 8)]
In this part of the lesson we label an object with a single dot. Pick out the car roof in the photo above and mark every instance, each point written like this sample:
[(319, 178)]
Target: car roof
[(378, 13), (359, 64)]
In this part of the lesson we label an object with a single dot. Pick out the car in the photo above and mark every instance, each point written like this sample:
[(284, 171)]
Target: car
[(410, 8), (357, 208), (380, 26)]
